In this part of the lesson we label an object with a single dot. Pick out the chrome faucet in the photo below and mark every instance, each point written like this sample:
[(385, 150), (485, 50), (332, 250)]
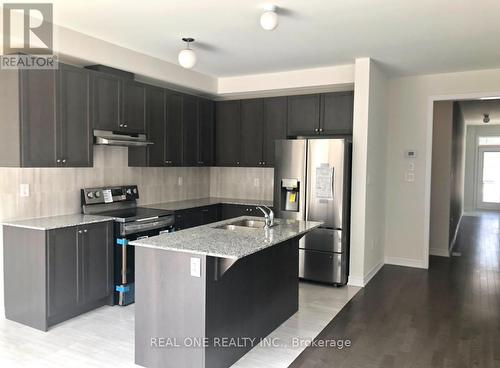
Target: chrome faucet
[(268, 217), (271, 216)]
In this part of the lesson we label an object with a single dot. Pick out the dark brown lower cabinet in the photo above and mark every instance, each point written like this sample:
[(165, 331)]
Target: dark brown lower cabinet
[(229, 211), (192, 217), (51, 276)]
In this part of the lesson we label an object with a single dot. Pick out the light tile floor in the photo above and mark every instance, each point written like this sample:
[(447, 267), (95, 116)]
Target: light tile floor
[(105, 337)]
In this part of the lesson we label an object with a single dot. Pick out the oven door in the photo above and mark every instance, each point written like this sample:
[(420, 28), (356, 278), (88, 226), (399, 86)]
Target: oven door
[(124, 257)]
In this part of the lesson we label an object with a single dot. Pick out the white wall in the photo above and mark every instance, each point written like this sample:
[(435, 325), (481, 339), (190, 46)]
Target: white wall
[(332, 78), (409, 126), (368, 172)]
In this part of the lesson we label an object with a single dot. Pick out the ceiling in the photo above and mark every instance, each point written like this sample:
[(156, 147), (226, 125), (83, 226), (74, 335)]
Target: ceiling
[(407, 37), (473, 111)]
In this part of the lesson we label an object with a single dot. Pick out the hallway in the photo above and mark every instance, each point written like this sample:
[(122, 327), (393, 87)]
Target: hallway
[(447, 316)]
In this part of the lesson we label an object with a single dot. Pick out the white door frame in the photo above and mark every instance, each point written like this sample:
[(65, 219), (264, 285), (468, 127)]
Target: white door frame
[(480, 205), (428, 158)]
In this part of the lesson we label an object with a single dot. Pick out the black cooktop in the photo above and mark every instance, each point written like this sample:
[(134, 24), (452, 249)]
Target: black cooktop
[(136, 213)]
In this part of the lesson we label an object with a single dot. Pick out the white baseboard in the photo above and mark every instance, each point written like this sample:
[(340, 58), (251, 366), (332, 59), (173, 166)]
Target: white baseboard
[(439, 252), (356, 281), (373, 272), (363, 281), (407, 262)]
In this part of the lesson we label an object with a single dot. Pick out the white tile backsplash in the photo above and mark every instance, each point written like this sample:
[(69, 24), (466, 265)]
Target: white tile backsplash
[(56, 191)]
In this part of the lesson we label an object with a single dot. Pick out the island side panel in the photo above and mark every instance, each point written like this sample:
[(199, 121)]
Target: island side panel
[(250, 300), (169, 304), (24, 255)]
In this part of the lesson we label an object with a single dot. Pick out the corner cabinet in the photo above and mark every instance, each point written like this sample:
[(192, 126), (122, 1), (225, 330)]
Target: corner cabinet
[(54, 275), (227, 133), (320, 114), (45, 118), (247, 129)]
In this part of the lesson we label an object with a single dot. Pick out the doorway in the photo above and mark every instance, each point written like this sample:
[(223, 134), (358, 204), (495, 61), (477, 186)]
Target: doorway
[(488, 178)]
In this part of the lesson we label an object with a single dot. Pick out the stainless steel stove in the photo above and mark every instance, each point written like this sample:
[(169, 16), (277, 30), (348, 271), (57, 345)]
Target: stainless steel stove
[(131, 223)]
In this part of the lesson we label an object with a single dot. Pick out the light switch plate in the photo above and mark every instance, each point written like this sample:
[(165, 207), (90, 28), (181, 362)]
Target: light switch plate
[(195, 267), (24, 190), (256, 182)]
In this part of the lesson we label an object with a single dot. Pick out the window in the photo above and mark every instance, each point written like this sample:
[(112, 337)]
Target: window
[(489, 141)]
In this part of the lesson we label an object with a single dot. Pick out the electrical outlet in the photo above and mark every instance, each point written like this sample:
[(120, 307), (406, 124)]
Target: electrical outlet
[(24, 190), (179, 181), (256, 182), (410, 176), (195, 267)]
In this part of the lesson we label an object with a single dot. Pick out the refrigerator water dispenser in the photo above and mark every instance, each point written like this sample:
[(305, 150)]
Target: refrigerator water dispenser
[(290, 195)]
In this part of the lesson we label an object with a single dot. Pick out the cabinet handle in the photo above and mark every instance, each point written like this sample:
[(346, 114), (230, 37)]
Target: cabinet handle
[(79, 231), (58, 160), (263, 162), (64, 161), (316, 130), (237, 162), (121, 125), (320, 129), (85, 230), (125, 125)]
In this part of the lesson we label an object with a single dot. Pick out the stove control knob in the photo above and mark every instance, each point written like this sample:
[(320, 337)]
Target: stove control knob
[(97, 194), (129, 191), (135, 190), (90, 195)]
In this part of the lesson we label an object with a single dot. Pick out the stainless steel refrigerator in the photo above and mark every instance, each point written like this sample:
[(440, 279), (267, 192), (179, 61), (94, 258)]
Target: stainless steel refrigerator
[(312, 182)]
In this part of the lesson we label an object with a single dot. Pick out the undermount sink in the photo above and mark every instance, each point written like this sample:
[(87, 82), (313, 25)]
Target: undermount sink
[(253, 224)]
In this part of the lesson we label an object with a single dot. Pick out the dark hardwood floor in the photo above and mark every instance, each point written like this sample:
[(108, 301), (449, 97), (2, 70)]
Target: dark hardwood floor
[(447, 316)]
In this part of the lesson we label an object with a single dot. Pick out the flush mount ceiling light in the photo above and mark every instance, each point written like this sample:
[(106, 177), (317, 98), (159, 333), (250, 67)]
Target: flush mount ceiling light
[(187, 57), (486, 118), (269, 19)]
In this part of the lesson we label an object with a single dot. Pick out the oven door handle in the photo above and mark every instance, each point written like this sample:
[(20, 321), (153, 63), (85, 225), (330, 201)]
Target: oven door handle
[(145, 226), (142, 237)]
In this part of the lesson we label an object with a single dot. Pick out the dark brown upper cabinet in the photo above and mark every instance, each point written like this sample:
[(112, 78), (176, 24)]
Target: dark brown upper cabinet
[(190, 132), (45, 118), (303, 115), (205, 132), (261, 122), (327, 113), (153, 155), (73, 118), (106, 101), (228, 133), (156, 114), (252, 132), (134, 107), (275, 115), (181, 128), (118, 104), (173, 129), (337, 112)]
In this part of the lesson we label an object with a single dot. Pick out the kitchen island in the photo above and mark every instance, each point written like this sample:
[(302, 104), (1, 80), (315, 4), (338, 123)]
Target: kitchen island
[(205, 296)]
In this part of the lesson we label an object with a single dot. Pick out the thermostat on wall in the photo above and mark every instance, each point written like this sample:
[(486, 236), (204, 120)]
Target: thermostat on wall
[(410, 153)]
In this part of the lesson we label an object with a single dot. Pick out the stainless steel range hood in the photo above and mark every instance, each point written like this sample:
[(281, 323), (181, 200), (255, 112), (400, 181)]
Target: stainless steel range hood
[(109, 138)]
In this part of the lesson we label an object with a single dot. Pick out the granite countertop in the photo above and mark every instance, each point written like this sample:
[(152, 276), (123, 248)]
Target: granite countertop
[(233, 244), (55, 222), (193, 203)]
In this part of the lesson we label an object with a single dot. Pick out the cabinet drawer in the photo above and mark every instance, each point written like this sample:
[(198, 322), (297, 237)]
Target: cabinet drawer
[(322, 266)]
